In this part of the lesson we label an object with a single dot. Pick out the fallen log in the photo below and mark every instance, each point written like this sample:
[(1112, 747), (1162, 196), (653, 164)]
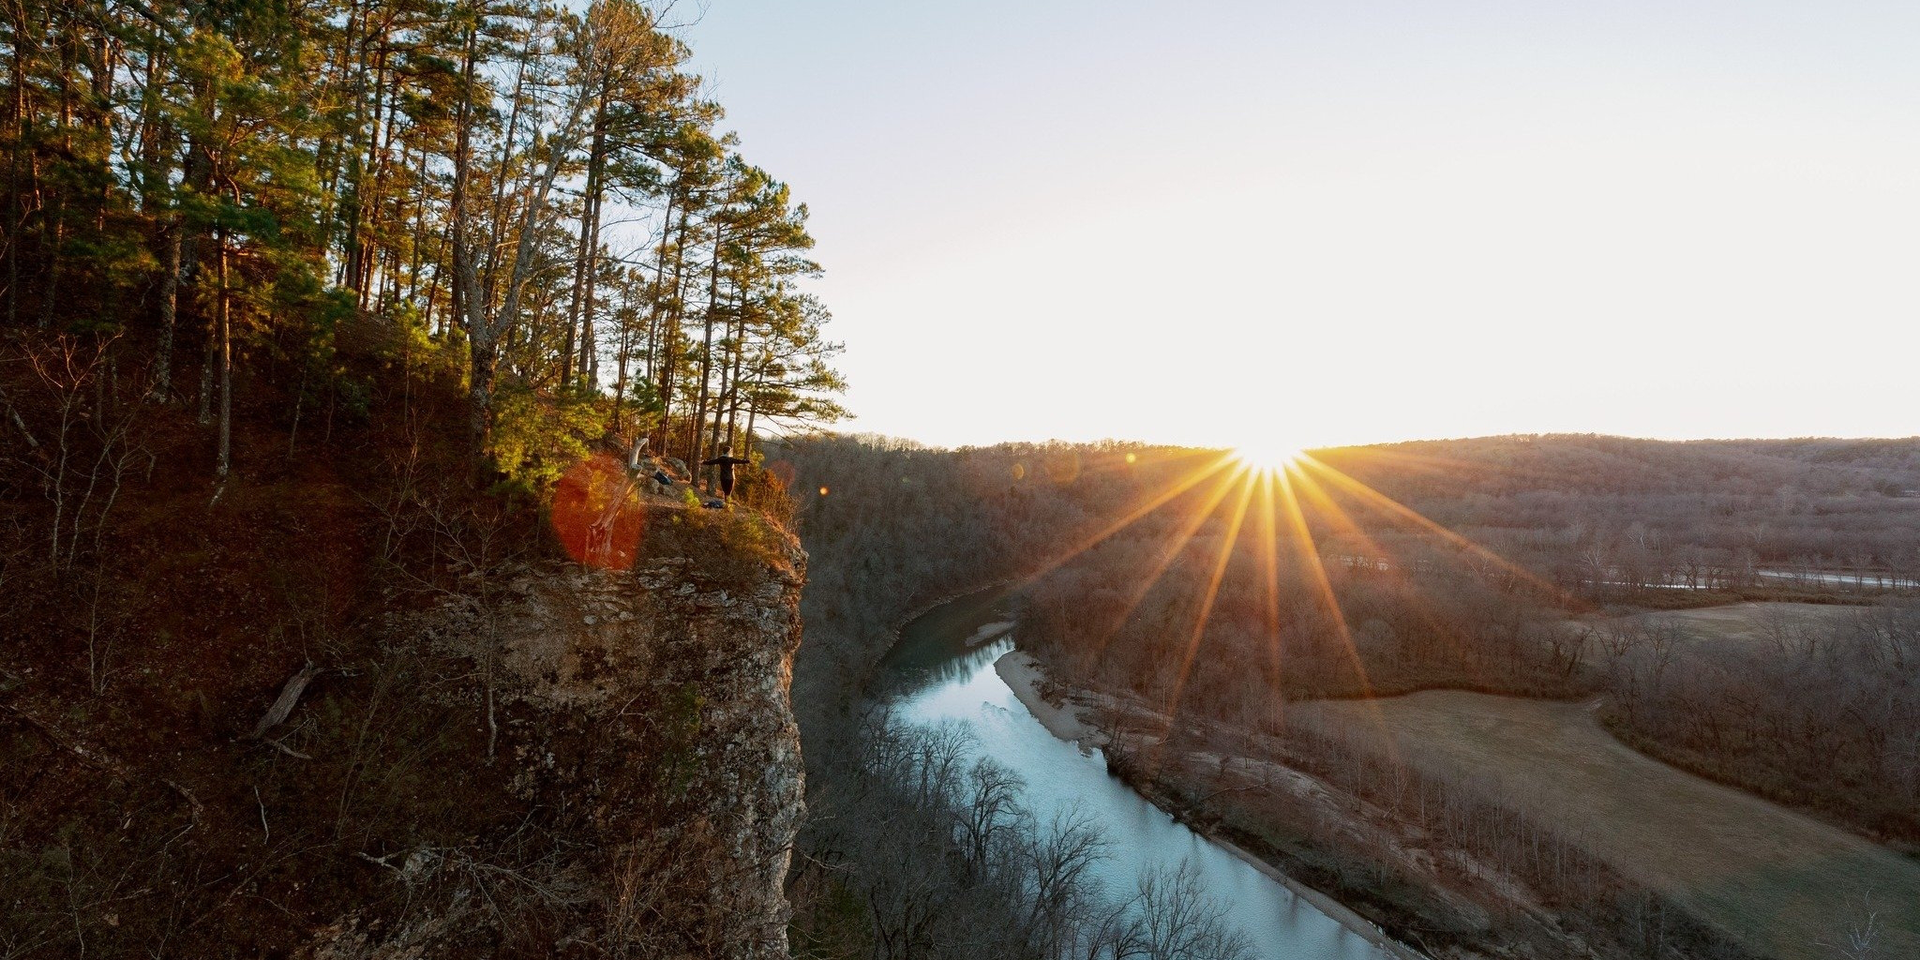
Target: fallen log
[(289, 698)]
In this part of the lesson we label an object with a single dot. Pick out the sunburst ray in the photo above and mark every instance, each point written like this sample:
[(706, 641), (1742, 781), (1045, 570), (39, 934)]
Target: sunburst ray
[(1175, 545), (1155, 502), (1205, 614), (1375, 551), (1386, 504)]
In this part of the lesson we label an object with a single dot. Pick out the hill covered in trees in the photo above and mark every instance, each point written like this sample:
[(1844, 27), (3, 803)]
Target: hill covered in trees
[(1640, 515), (536, 200), (1208, 597), (329, 337)]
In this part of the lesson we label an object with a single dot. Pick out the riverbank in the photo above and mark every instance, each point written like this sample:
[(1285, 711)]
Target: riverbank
[(1064, 721), (1025, 676), (1329, 815), (990, 632), (942, 682)]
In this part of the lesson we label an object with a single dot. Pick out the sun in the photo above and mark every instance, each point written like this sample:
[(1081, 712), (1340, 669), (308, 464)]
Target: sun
[(1268, 455)]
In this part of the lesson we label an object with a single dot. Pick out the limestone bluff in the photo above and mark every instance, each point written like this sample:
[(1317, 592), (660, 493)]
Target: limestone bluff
[(644, 720)]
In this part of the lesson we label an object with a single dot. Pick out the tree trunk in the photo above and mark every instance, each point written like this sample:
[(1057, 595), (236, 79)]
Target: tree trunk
[(484, 332), (482, 354), (481, 368), (577, 306), (379, 161), (462, 159), (732, 388), (226, 362), (419, 244), (657, 308), (596, 189), (625, 326), (169, 309), (56, 238), (205, 414), (16, 215), (670, 356), (491, 273), (699, 423)]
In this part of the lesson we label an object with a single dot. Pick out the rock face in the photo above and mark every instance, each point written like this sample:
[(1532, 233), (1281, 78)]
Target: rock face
[(642, 723)]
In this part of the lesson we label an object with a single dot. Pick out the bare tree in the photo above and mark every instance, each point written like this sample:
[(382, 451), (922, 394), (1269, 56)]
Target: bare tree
[(1062, 907), (90, 444), (992, 808), (1178, 921)]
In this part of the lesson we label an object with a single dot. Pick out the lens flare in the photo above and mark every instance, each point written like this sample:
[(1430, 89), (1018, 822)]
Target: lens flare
[(1281, 492), (1268, 455), (597, 513)]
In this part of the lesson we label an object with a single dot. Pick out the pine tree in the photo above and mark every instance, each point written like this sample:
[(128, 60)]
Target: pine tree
[(245, 178)]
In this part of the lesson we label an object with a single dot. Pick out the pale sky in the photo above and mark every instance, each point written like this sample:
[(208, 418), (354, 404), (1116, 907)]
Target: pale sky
[(1351, 221)]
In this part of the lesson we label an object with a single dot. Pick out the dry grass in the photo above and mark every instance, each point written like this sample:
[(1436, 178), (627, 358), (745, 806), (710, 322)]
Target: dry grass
[(1751, 622), (1782, 883)]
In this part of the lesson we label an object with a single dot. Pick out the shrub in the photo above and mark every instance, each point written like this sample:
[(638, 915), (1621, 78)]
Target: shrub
[(535, 438)]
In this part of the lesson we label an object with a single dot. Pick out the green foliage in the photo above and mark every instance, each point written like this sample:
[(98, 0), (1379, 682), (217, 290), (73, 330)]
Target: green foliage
[(733, 546), (638, 409), (415, 351), (273, 202), (352, 397), (536, 437), (749, 534), (261, 181), (761, 491)]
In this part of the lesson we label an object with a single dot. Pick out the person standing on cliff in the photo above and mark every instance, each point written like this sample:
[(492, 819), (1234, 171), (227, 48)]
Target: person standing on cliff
[(726, 464)]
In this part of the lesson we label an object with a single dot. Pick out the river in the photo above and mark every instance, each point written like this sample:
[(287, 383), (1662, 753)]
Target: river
[(940, 678)]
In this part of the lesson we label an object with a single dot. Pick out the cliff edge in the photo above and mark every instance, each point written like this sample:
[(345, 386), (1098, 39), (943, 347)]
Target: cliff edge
[(641, 720), (333, 717)]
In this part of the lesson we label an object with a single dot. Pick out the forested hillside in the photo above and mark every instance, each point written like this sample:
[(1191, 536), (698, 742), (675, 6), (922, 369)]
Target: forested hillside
[(1216, 595), (1640, 515), (535, 199), (333, 338)]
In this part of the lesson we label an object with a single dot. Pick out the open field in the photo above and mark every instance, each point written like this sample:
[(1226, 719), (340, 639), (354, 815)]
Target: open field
[(1783, 883), (1756, 622)]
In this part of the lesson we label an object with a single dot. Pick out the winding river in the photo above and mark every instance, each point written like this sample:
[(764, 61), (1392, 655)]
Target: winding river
[(941, 678)]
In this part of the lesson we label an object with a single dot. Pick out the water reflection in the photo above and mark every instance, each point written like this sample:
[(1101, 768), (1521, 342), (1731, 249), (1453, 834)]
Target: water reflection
[(943, 682), (958, 671)]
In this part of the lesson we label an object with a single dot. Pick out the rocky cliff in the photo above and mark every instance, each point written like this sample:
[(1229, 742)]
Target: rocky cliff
[(485, 751), (640, 719)]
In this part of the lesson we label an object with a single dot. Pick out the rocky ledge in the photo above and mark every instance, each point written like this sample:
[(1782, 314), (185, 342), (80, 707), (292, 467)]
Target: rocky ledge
[(640, 725)]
